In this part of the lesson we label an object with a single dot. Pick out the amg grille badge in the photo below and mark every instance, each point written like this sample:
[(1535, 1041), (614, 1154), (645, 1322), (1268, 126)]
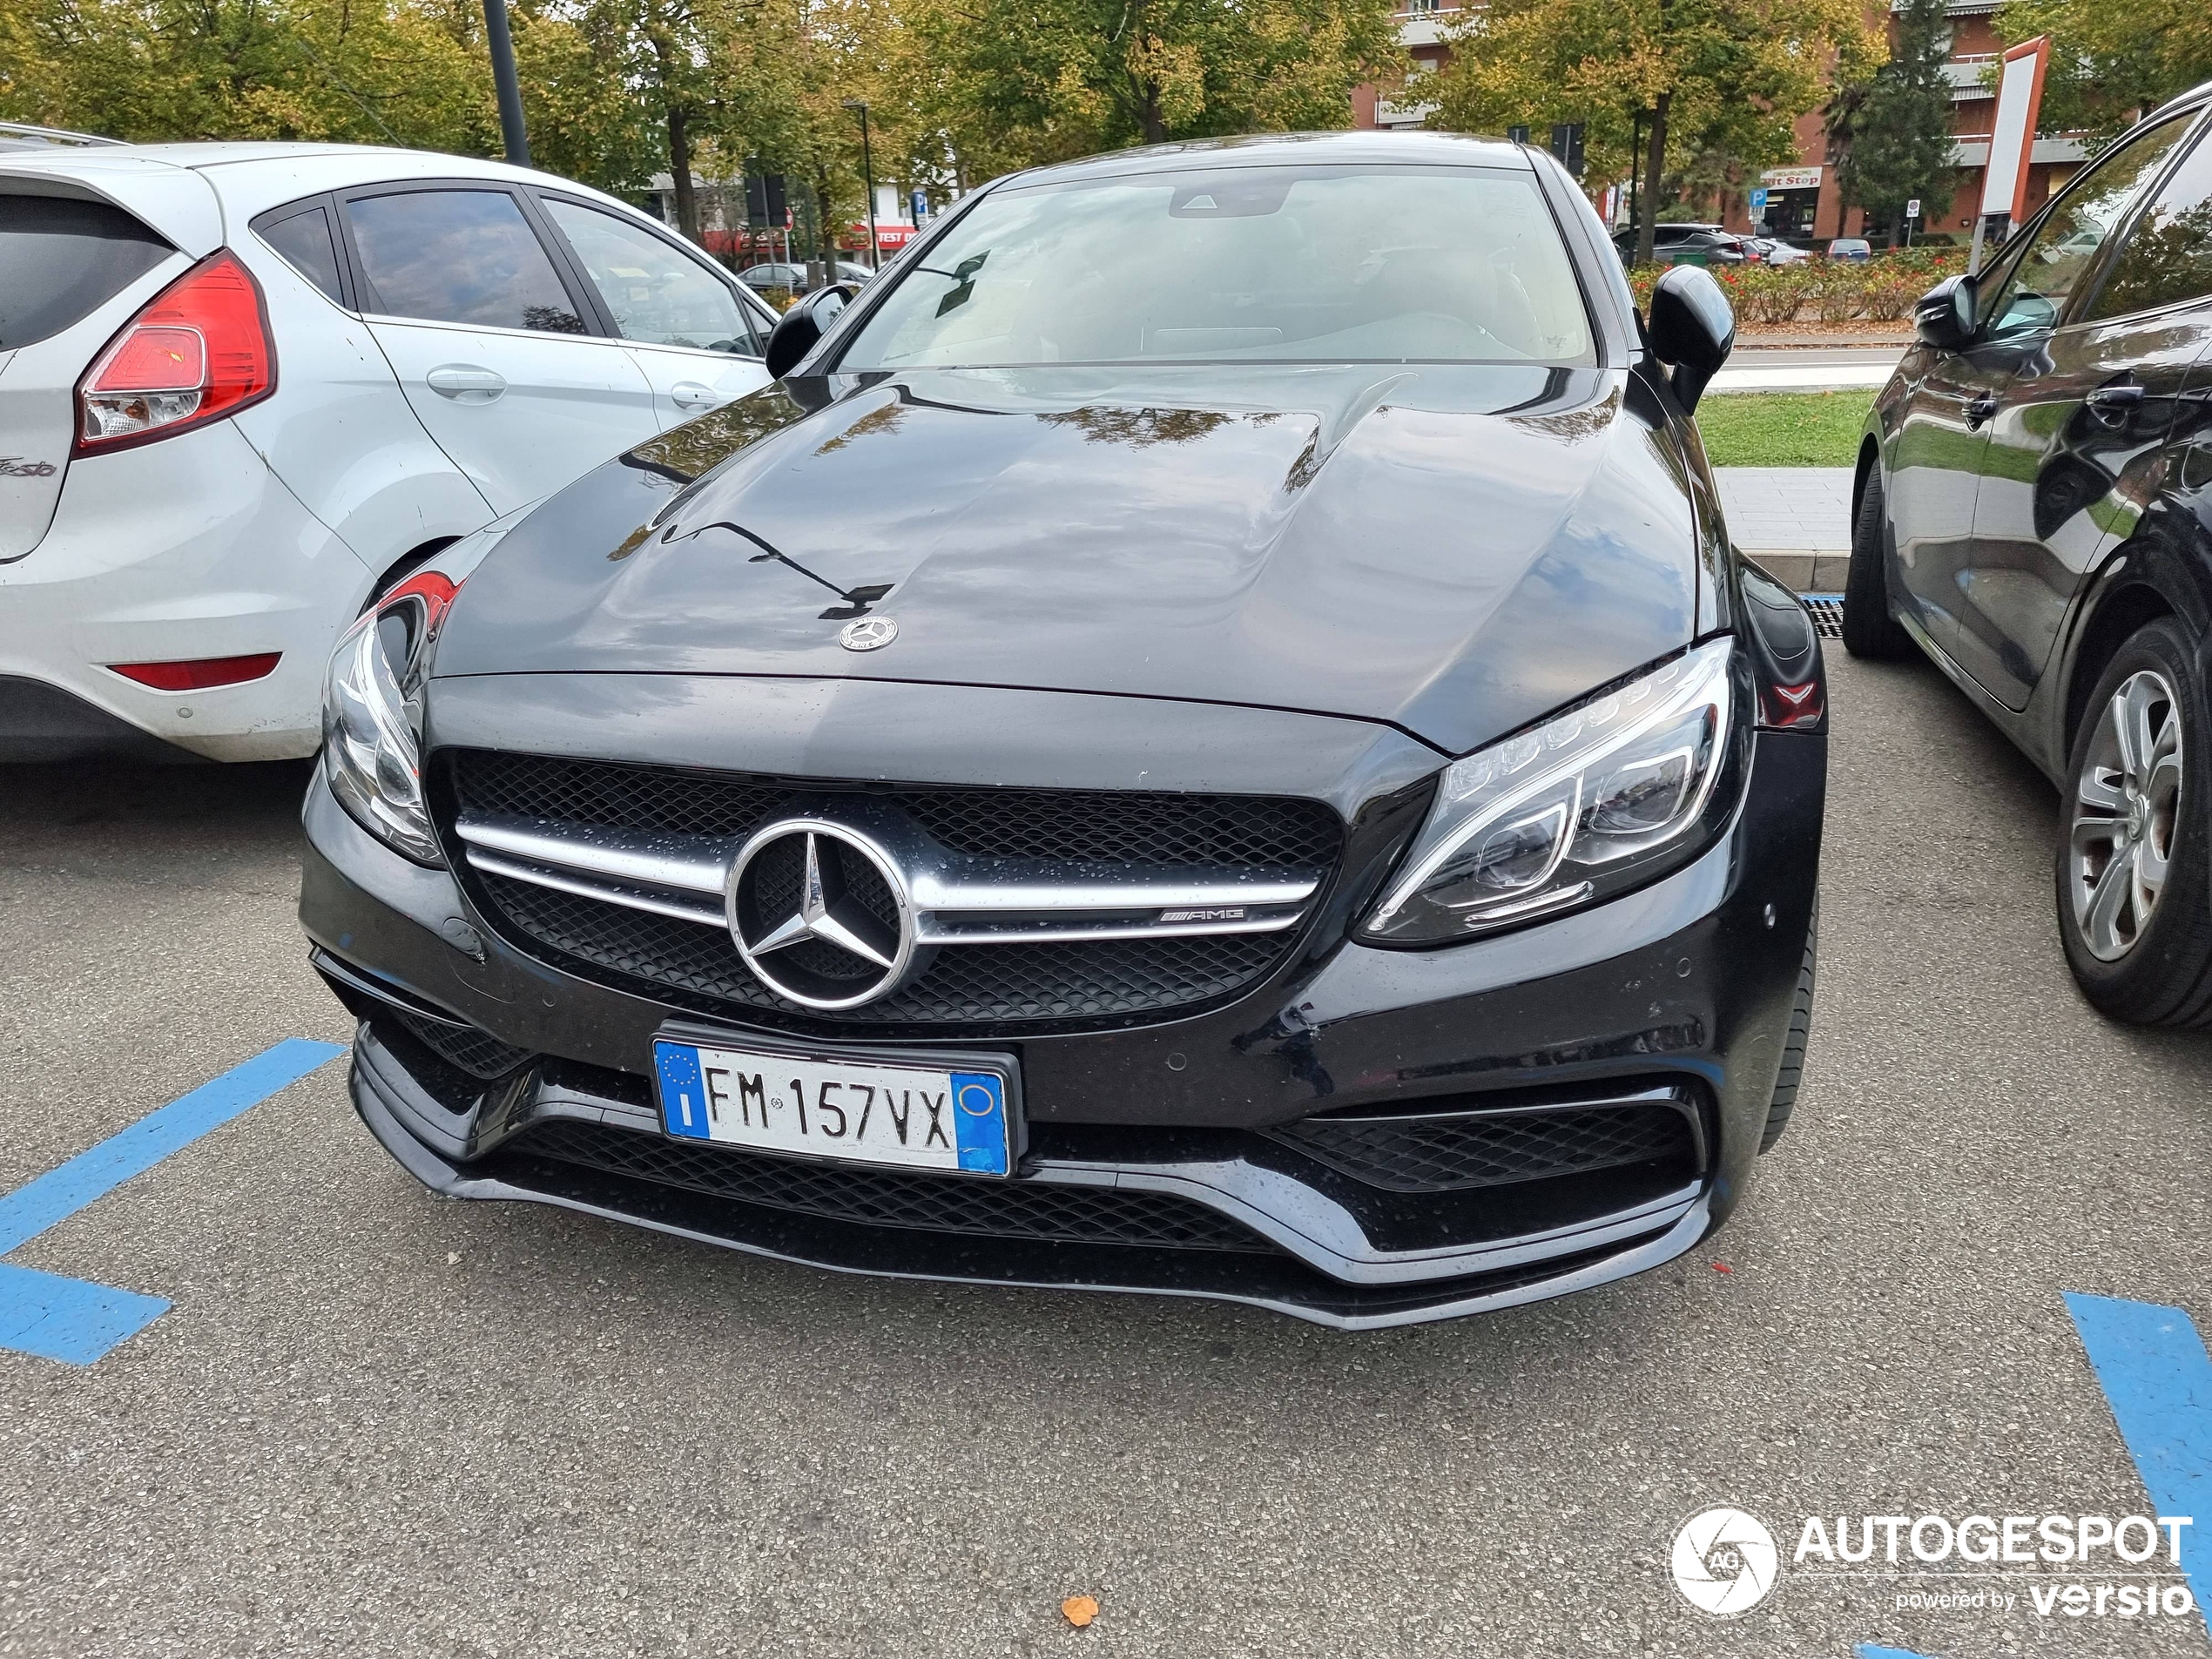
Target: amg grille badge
[(1216, 913)]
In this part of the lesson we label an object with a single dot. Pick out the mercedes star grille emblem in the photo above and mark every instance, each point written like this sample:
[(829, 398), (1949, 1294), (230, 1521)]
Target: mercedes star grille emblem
[(820, 914), (868, 633)]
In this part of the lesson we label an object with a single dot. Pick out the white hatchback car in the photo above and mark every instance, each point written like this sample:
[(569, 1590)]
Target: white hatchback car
[(246, 388)]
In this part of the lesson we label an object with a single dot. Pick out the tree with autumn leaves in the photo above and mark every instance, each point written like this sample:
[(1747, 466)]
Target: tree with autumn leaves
[(2113, 60), (371, 71), (615, 90), (1710, 89)]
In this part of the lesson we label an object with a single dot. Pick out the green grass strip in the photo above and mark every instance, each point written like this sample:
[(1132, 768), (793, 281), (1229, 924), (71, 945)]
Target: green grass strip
[(1783, 428)]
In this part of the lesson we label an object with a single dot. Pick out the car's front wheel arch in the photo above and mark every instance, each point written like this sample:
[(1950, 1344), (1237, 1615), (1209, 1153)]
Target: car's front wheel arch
[(1870, 456), (2118, 616)]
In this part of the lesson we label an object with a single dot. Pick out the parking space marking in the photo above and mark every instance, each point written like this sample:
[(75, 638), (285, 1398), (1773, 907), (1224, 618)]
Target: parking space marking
[(2157, 1379), (74, 1320), (1874, 1651)]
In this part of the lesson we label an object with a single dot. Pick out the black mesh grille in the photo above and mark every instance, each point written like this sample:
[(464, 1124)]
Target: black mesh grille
[(1443, 1154), (698, 965), (1111, 825), (695, 966), (1827, 616), (897, 1199), (477, 1053)]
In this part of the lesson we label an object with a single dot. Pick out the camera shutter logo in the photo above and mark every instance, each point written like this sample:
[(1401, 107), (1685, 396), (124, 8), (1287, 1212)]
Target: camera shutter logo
[(1724, 1561)]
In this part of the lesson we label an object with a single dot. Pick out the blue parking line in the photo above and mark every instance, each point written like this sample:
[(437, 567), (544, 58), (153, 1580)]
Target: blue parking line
[(1873, 1650), (74, 1320), (2157, 1379)]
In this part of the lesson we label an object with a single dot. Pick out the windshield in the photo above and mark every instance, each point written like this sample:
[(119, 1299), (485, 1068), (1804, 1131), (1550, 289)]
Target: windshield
[(1241, 264)]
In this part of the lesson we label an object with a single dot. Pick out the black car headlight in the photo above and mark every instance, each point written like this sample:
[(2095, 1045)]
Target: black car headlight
[(1596, 801), (372, 750)]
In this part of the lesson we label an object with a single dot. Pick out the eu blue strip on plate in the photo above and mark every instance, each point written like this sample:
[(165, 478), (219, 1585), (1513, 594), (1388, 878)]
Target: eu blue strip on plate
[(74, 1320), (683, 1094), (979, 1121), (2157, 1379)]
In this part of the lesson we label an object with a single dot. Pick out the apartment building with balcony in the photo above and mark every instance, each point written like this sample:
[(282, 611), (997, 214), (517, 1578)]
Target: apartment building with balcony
[(1422, 26)]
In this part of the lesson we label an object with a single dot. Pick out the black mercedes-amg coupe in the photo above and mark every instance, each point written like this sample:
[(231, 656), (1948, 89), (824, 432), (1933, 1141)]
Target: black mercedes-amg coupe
[(1205, 736)]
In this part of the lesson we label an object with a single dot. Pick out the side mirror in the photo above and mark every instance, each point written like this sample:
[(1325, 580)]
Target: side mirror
[(1692, 329), (804, 325), (1944, 317)]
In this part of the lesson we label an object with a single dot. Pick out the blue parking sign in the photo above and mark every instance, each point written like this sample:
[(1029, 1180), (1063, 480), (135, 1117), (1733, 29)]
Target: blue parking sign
[(1759, 197)]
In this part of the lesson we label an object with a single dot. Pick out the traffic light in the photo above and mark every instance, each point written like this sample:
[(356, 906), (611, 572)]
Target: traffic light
[(1567, 144), (765, 207)]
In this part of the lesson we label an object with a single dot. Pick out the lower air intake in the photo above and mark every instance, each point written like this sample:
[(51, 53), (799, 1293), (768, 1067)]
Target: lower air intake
[(1443, 1152), (1028, 1210)]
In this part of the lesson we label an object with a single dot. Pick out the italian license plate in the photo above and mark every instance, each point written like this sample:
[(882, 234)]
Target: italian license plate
[(859, 1108)]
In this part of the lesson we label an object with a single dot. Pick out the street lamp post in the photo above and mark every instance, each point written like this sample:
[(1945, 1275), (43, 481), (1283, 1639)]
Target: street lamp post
[(503, 78), (868, 176)]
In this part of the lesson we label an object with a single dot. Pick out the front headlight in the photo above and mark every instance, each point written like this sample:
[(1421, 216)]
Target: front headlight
[(1595, 800), (371, 715)]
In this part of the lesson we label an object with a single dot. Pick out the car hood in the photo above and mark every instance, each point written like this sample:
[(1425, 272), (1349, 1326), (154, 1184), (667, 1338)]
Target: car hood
[(1452, 550)]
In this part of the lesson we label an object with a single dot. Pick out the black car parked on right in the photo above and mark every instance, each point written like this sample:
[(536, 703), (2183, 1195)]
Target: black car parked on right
[(2031, 511)]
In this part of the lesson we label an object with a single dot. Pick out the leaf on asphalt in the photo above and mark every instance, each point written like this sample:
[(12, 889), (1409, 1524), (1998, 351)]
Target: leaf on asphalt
[(1723, 1267), (1079, 1610)]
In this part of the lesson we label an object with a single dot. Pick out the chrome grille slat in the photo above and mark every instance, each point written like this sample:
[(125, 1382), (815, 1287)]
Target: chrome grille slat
[(959, 900), (561, 882)]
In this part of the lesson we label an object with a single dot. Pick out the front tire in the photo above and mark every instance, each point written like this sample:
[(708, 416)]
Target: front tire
[(2135, 886), (1793, 1048), (1869, 629)]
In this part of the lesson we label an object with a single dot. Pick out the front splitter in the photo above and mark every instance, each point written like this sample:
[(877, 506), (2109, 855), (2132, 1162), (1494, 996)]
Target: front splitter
[(1274, 1280)]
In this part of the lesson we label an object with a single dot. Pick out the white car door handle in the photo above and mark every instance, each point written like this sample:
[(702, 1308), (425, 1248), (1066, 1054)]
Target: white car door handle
[(690, 395), (466, 382)]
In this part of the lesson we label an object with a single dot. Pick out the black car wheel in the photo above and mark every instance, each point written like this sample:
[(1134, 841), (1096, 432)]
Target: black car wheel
[(1869, 629), (2132, 879)]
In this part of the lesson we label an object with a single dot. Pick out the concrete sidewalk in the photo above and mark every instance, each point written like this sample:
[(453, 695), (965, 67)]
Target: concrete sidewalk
[(1796, 521), (1807, 369)]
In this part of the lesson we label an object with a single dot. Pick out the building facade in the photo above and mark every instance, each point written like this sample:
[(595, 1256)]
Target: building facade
[(1802, 202)]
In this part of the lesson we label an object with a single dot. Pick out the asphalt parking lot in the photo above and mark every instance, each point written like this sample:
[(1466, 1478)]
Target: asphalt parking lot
[(374, 1421)]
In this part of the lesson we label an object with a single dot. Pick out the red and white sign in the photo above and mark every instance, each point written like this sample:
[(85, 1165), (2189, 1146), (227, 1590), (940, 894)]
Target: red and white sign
[(890, 235), (2019, 101), (1790, 178)]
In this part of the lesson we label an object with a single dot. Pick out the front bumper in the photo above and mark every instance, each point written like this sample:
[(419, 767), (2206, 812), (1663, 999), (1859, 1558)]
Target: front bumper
[(1679, 992)]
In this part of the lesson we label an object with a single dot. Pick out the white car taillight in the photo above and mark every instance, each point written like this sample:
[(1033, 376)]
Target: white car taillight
[(198, 351)]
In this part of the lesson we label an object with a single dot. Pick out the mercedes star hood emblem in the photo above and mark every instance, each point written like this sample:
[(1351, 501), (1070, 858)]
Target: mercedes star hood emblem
[(867, 633)]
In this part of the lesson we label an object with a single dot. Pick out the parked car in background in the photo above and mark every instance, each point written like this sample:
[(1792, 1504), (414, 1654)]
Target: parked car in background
[(1690, 244), (1850, 248), (962, 813), (245, 388), (2032, 514), (790, 275), (1772, 250), (762, 279)]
